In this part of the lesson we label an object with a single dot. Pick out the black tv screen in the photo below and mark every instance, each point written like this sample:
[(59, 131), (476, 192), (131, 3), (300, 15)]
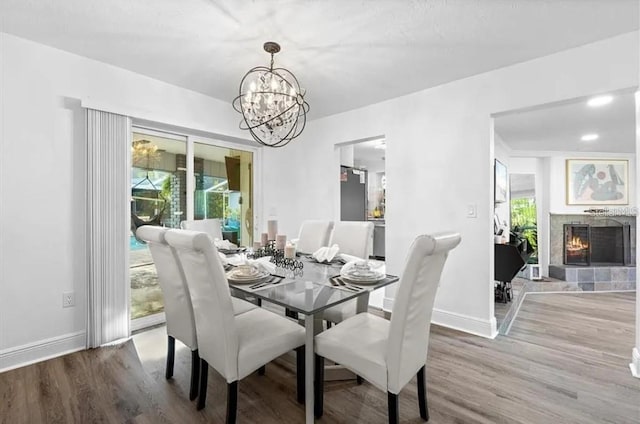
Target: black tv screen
[(233, 172)]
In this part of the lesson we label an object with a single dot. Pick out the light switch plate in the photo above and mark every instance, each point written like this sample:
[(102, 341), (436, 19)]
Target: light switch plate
[(472, 210)]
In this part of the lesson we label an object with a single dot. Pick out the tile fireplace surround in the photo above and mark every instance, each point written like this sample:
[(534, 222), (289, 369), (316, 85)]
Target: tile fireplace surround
[(593, 277)]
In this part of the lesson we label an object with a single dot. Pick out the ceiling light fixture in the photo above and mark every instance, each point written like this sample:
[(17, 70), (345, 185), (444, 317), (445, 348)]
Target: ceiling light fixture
[(589, 137), (271, 103), (600, 100)]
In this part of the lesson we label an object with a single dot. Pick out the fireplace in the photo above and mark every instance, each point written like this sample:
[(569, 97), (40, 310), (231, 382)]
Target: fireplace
[(576, 244), (597, 244)]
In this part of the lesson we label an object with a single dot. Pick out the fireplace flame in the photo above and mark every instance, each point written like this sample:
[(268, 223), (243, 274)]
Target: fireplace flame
[(577, 243)]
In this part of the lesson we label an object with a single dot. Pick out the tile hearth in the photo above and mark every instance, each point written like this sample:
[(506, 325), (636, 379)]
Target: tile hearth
[(596, 278)]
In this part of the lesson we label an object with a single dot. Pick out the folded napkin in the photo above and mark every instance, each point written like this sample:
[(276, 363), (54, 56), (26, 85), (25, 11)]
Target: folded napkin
[(224, 244), (260, 263), (377, 266), (326, 254), (263, 263)]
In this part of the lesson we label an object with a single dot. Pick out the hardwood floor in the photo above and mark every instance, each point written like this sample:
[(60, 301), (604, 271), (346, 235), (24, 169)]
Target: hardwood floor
[(564, 361)]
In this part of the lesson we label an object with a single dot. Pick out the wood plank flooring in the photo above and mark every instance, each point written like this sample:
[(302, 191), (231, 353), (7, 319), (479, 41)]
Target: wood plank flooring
[(564, 361)]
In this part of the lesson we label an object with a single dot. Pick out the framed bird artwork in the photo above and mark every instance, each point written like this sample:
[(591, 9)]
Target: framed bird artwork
[(597, 181)]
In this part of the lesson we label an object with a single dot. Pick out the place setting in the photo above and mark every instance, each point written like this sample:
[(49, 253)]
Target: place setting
[(357, 273), (252, 277)]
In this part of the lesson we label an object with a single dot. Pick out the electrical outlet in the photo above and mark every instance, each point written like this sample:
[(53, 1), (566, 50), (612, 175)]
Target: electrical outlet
[(68, 299)]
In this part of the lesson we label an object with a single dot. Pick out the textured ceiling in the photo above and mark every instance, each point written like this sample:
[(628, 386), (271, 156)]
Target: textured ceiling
[(559, 127), (347, 54)]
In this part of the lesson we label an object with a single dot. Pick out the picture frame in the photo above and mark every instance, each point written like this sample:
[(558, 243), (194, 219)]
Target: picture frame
[(500, 182), (597, 182)]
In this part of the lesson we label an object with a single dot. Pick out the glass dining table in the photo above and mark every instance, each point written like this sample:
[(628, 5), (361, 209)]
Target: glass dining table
[(309, 291)]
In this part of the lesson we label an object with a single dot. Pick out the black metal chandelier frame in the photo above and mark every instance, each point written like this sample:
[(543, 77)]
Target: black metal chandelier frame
[(298, 102)]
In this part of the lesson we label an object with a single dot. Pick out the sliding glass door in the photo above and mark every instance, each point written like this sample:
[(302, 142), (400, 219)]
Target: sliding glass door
[(176, 178), (158, 177)]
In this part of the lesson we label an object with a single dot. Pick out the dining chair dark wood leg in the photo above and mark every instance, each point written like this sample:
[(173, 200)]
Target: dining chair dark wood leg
[(204, 376), (195, 374), (394, 413), (232, 402), (422, 395), (262, 370), (318, 381), (171, 355), (300, 389)]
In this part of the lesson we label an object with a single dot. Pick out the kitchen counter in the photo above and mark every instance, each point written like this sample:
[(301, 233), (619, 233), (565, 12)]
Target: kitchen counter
[(377, 221)]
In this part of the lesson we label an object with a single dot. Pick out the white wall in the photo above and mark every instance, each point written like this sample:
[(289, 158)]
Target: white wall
[(521, 165), (347, 156), (544, 222), (42, 182), (439, 160)]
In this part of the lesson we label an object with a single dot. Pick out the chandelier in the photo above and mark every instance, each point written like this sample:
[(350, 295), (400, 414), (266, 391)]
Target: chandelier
[(271, 103), (144, 153)]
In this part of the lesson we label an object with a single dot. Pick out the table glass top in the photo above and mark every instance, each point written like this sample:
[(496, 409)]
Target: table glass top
[(309, 290)]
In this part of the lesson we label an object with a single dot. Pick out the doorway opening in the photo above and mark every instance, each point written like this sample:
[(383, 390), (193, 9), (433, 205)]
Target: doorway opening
[(363, 185)]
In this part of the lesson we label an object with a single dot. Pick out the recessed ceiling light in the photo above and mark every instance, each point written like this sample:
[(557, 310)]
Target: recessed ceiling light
[(600, 100), (589, 137)]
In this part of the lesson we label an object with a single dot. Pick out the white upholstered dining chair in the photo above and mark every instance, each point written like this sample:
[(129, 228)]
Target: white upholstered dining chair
[(389, 353), (211, 226), (354, 238), (177, 303), (234, 345), (313, 235)]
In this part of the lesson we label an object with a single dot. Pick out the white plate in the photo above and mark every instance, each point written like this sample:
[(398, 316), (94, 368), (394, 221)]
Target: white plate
[(363, 278), (246, 274), (245, 271), (260, 279)]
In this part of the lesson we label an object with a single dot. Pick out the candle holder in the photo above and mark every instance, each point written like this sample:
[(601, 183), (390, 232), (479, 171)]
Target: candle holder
[(288, 263), (277, 256)]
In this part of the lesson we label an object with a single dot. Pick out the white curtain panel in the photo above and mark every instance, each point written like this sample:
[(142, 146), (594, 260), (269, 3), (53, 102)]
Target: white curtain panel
[(108, 218)]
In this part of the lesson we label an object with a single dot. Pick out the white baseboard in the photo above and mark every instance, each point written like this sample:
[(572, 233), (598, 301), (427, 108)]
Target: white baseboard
[(41, 350), (468, 324), (635, 363)]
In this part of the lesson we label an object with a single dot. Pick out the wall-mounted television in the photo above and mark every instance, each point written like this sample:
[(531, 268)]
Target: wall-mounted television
[(233, 172), (500, 177)]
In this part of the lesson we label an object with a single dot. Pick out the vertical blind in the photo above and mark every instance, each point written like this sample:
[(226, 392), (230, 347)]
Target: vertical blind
[(108, 220)]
